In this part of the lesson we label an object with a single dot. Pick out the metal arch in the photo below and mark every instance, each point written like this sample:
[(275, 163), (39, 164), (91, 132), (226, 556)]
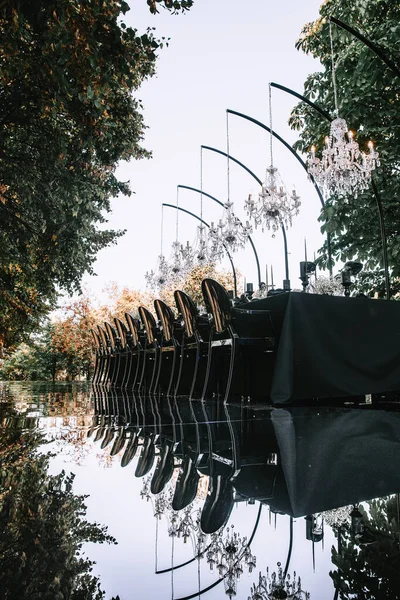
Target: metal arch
[(207, 225), (260, 183), (326, 116), (192, 189)]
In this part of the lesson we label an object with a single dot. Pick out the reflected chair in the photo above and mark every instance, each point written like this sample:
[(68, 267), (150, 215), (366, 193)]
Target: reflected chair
[(169, 349), (194, 348), (151, 351), (135, 348), (122, 341), (240, 342), (114, 352)]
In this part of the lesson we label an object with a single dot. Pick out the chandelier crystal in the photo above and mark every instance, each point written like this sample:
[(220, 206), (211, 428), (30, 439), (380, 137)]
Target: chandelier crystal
[(228, 234), (275, 207), (278, 585), (343, 169), (155, 280), (228, 553)]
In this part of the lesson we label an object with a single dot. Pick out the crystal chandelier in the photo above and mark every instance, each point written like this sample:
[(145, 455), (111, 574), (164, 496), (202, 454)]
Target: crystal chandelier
[(155, 280), (343, 169), (278, 586), (229, 234), (158, 278), (228, 552), (203, 250), (275, 207)]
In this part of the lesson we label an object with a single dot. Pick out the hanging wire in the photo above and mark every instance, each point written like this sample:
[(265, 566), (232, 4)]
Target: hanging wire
[(201, 183), (333, 70), (227, 152), (162, 228), (270, 122), (177, 213)]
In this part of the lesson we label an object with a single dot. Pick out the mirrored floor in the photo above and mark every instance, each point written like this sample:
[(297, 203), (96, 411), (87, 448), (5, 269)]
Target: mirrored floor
[(177, 499)]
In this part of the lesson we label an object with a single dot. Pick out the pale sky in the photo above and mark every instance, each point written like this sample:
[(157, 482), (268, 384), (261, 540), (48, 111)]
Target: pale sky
[(221, 55)]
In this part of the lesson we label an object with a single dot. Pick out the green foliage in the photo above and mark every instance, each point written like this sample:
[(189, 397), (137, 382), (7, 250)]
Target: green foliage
[(370, 103), (68, 115), (43, 527), (368, 568)]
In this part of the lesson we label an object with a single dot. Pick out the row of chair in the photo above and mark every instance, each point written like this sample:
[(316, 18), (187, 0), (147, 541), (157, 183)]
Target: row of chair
[(228, 350)]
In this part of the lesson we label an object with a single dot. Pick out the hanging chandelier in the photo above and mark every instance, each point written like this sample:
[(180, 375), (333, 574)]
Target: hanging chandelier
[(155, 280), (228, 553), (278, 585), (275, 207), (343, 169), (228, 234)]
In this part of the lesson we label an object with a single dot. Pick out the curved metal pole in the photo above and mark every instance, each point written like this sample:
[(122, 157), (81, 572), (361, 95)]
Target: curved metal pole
[(326, 116), (301, 161), (260, 183), (207, 225), (210, 587), (317, 108), (192, 189), (288, 146), (376, 49), (289, 556)]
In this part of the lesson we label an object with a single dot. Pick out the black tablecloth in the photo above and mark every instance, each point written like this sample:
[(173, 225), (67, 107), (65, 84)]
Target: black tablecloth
[(332, 346), (335, 458)]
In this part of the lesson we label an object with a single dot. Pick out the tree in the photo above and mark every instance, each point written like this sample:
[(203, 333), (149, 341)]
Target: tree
[(370, 102), (68, 115), (368, 567), (43, 527)]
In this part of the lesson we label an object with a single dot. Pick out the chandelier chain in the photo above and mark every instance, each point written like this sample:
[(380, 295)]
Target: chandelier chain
[(227, 153), (270, 122), (201, 183), (333, 71)]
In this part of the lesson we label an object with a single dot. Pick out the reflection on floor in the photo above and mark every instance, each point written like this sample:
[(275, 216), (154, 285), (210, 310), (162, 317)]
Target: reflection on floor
[(199, 459)]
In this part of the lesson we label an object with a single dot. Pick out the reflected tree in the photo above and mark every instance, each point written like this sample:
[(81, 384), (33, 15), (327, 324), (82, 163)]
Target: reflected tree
[(368, 560), (43, 527)]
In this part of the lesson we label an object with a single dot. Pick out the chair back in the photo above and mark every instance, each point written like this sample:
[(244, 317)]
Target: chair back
[(122, 331), (166, 318), (217, 303), (188, 310), (133, 326), (103, 338), (96, 340), (112, 336), (149, 323)]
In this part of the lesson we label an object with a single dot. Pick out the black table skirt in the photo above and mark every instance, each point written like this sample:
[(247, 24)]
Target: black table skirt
[(331, 346)]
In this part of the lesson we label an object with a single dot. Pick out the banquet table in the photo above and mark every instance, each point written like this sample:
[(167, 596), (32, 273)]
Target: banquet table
[(330, 346)]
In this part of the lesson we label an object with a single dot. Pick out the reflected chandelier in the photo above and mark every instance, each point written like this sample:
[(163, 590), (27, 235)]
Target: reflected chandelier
[(343, 169), (228, 553), (278, 586), (275, 207)]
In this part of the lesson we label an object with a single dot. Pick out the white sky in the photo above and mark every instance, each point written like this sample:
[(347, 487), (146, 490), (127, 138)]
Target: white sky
[(221, 55)]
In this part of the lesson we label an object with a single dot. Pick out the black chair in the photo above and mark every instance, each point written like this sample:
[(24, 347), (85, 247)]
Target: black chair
[(114, 352), (135, 347), (241, 341), (99, 357), (122, 342), (169, 350), (151, 351), (106, 351), (194, 348)]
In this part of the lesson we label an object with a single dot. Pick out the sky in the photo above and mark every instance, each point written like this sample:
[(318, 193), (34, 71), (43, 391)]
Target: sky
[(221, 55)]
